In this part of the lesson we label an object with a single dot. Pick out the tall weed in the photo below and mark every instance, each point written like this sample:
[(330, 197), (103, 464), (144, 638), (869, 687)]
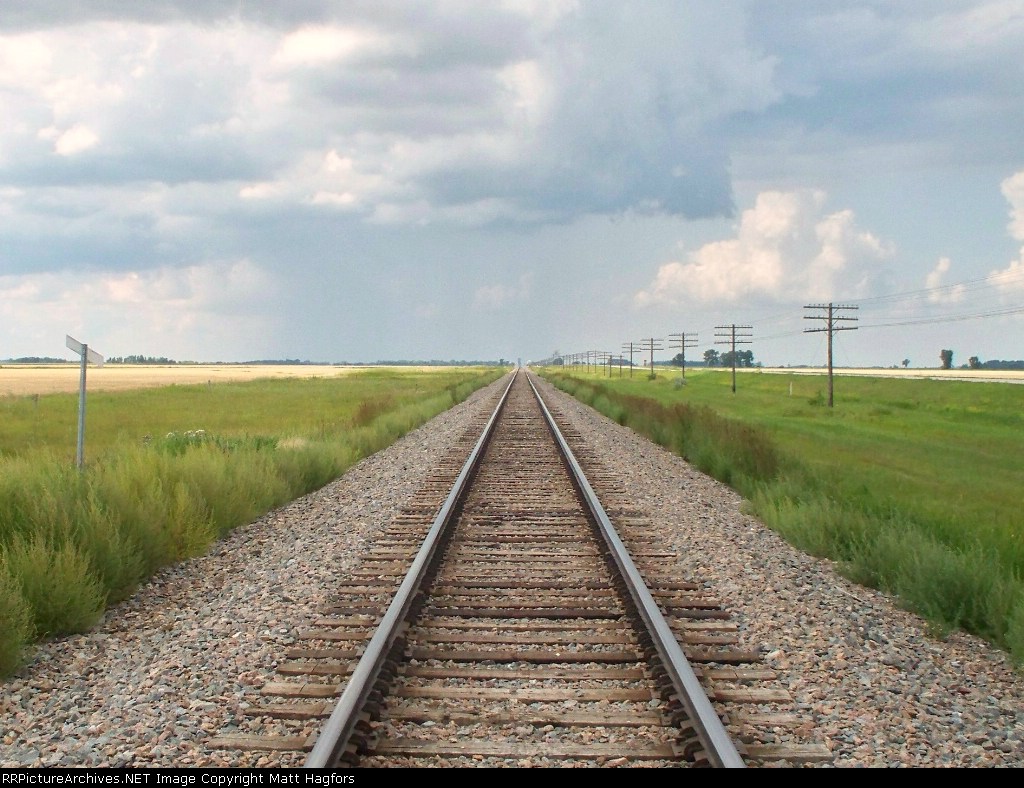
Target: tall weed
[(57, 582), (16, 615)]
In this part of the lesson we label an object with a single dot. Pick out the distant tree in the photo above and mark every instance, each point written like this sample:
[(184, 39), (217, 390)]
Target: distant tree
[(906, 363), (974, 362), (744, 358), (712, 357), (677, 360), (947, 359)]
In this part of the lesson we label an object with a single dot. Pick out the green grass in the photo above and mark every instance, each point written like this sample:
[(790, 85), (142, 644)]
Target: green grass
[(313, 407), (171, 469), (913, 486)]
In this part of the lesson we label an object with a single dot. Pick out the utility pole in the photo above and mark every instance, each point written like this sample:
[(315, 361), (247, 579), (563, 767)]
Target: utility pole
[(651, 344), (830, 317), (682, 341), (632, 347), (731, 337)]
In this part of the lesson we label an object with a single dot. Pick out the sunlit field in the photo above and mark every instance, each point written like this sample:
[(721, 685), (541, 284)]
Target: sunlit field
[(910, 373), (912, 485), (168, 469), (28, 379)]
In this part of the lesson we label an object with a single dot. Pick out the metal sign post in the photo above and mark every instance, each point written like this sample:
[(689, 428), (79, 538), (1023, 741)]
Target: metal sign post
[(87, 355)]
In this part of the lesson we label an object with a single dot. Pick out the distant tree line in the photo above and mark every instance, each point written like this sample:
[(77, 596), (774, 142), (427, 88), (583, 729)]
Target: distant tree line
[(677, 361), (140, 360), (744, 358), (434, 362), (946, 357), (975, 363), (711, 358)]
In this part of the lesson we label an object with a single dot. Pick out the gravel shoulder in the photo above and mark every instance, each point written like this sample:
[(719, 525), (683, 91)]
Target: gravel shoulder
[(178, 662)]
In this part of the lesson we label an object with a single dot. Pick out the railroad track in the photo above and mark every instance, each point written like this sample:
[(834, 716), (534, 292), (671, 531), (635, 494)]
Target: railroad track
[(507, 621)]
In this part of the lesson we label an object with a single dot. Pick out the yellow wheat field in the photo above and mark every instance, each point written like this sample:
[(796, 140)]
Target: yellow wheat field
[(29, 379)]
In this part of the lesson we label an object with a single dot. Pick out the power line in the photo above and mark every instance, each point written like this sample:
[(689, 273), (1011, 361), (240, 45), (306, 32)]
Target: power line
[(1007, 276), (1016, 310)]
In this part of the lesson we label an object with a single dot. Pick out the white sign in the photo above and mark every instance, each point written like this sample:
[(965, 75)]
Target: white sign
[(91, 355)]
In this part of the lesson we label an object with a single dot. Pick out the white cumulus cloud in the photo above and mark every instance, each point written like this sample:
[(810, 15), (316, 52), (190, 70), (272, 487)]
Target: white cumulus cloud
[(934, 282), (319, 44), (166, 311), (786, 244), (498, 296), (75, 140), (1011, 278), (1013, 190)]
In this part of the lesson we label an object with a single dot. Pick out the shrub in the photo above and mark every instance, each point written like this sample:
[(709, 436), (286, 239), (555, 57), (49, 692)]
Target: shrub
[(58, 584)]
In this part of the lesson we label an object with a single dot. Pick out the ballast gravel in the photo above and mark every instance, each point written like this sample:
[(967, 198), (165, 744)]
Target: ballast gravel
[(179, 662)]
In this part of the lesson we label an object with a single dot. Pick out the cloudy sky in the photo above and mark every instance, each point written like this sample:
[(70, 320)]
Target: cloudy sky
[(463, 179)]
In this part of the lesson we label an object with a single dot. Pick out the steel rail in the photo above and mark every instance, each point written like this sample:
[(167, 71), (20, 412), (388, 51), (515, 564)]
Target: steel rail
[(335, 735), (718, 745)]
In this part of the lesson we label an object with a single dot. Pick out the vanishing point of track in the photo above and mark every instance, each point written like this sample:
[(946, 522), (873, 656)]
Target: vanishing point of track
[(509, 624)]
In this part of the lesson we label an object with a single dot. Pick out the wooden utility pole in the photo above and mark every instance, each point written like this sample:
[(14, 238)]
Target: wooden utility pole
[(651, 344), (632, 348), (731, 337), (682, 341), (829, 316)]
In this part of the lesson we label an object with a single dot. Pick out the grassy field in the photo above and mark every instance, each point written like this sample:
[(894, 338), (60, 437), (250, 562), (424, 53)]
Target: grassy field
[(912, 485), (171, 468), (140, 403)]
